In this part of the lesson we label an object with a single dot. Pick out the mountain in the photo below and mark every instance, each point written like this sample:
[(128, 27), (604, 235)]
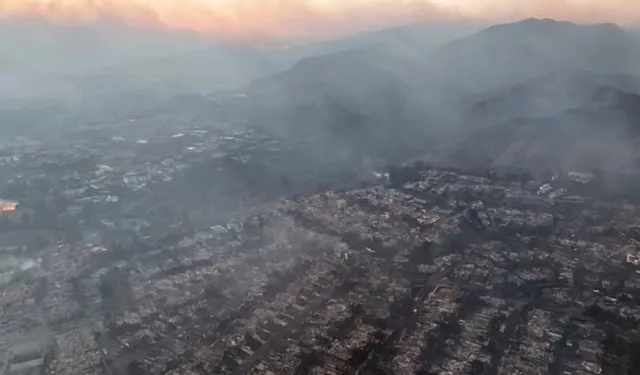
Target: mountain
[(109, 70), (509, 95), (553, 94), (354, 100), (570, 120), (415, 41), (460, 83), (501, 55), (110, 56)]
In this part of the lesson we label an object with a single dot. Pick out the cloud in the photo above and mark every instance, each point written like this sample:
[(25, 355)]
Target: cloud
[(313, 18), (236, 18), (618, 11)]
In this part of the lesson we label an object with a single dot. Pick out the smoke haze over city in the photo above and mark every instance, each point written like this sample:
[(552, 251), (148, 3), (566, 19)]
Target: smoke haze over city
[(300, 187)]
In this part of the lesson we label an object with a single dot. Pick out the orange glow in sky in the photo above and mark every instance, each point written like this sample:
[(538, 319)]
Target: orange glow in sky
[(315, 18)]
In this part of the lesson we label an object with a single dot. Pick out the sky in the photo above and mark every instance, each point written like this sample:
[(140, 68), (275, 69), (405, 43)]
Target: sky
[(315, 18)]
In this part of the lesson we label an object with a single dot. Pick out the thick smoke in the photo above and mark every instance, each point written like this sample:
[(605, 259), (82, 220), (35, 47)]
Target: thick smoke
[(619, 11), (248, 19), (256, 19)]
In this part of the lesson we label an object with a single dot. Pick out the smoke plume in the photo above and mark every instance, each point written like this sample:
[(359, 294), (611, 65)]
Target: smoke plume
[(251, 19)]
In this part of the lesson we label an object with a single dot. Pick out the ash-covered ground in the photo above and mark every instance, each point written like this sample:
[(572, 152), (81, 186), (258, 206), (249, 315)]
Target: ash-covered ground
[(411, 270)]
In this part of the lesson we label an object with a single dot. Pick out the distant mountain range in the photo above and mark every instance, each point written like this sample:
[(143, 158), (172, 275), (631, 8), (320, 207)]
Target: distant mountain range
[(503, 54), (538, 93), (494, 59), (42, 59), (553, 94), (502, 96), (331, 99)]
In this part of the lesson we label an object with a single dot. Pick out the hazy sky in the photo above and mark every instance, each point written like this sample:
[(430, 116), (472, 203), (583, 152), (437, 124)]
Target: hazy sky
[(310, 18)]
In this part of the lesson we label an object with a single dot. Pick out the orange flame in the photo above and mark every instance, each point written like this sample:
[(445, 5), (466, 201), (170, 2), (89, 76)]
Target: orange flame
[(8, 208)]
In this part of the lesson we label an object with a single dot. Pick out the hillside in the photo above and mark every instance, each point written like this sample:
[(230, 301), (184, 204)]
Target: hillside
[(553, 94), (504, 54), (391, 94), (45, 59), (510, 95), (416, 42), (600, 134), (361, 100)]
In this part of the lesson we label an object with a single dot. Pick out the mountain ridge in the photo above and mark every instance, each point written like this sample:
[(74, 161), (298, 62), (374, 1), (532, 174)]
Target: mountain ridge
[(522, 50), (554, 93)]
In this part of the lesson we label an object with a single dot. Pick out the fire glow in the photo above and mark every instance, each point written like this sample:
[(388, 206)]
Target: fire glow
[(312, 18), (8, 207)]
